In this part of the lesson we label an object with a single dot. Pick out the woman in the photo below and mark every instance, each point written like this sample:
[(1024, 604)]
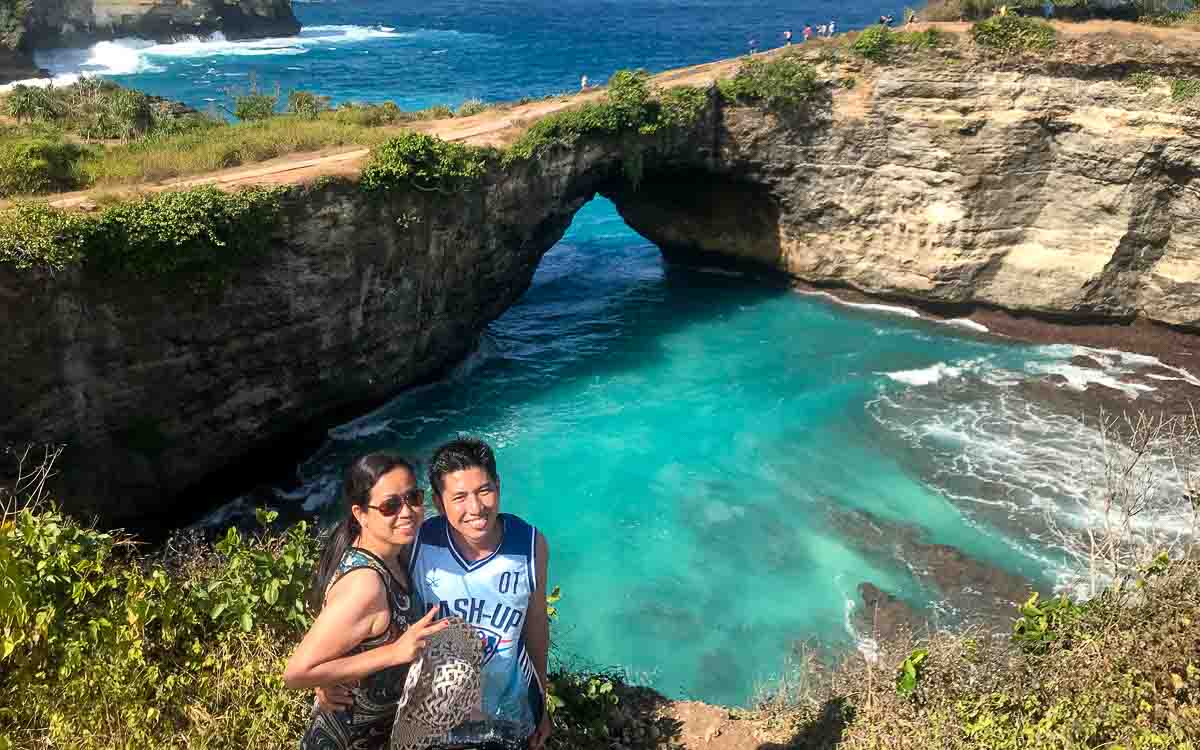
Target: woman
[(367, 629)]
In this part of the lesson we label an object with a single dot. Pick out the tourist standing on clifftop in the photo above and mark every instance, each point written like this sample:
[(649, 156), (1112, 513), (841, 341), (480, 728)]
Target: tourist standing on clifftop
[(369, 626)]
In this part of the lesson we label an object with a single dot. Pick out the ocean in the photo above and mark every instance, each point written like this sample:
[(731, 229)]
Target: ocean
[(717, 463)]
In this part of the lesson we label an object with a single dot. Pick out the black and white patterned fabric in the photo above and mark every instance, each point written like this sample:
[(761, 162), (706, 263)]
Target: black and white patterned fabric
[(443, 687)]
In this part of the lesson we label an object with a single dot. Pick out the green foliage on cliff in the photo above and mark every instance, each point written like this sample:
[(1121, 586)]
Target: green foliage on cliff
[(306, 104), (200, 232), (37, 165), (423, 162), (96, 109), (874, 42), (631, 108), (1185, 89), (103, 647), (1012, 33), (783, 82)]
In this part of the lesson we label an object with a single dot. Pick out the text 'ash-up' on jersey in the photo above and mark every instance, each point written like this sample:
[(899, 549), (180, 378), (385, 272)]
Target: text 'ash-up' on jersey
[(492, 594)]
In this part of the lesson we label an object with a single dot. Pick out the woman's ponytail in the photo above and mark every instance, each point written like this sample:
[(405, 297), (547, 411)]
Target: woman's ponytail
[(340, 539)]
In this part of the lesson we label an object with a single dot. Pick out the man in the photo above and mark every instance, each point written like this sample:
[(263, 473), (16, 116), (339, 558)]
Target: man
[(488, 568)]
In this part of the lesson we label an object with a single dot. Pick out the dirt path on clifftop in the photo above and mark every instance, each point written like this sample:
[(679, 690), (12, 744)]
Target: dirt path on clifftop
[(500, 126), (495, 127)]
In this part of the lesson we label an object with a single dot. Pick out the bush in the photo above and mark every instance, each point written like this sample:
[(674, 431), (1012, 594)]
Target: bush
[(436, 112), (103, 647), (1184, 89), (874, 42), (307, 104), (1141, 80), (37, 165), (31, 103), (201, 231), (425, 163), (471, 107), (780, 83), (369, 115), (1012, 33), (254, 106)]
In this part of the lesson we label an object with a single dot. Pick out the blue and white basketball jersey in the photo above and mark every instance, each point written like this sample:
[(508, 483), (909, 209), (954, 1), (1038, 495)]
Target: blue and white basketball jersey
[(492, 594)]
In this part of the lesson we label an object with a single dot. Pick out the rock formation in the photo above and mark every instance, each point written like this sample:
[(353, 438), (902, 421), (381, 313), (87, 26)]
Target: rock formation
[(1053, 190), (78, 23)]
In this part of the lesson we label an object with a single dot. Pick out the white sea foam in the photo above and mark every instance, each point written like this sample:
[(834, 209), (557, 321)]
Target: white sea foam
[(967, 323), (906, 312), (926, 375), (131, 56)]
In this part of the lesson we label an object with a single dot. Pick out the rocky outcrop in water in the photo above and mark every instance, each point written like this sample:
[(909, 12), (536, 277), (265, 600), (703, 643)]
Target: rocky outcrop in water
[(1050, 189), (78, 23)]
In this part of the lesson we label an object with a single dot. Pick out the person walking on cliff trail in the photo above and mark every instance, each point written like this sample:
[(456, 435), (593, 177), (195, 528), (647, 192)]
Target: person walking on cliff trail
[(490, 568), (368, 628)]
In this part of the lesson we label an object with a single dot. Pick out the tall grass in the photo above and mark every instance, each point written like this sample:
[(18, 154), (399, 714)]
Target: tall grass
[(164, 157)]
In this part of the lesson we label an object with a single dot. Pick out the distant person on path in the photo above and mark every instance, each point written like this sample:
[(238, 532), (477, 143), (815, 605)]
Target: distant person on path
[(753, 43), (787, 38), (821, 30), (583, 83), (807, 32), (831, 28), (368, 628)]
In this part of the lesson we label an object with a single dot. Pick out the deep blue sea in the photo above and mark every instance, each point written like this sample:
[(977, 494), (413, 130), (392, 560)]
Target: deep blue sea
[(702, 451)]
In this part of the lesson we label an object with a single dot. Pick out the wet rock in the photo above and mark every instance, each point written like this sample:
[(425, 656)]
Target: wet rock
[(885, 616), (1082, 360)]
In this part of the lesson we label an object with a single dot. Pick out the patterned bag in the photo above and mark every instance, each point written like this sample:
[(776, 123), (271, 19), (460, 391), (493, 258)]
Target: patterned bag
[(443, 688)]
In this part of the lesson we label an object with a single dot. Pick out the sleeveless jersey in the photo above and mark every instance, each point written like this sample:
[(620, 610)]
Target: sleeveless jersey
[(492, 594)]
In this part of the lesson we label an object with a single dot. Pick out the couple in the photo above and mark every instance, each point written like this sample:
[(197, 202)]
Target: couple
[(383, 566)]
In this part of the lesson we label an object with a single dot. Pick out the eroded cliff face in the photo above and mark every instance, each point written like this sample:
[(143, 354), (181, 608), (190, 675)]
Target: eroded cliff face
[(1067, 196), (1066, 193), (78, 22)]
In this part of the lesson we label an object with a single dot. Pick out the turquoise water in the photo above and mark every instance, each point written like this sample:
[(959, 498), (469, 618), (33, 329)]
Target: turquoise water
[(703, 452)]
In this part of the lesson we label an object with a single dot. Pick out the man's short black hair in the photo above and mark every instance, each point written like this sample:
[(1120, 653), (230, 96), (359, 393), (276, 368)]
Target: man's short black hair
[(460, 454)]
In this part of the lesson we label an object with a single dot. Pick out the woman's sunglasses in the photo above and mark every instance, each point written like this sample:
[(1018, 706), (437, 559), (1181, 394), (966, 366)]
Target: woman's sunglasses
[(414, 498)]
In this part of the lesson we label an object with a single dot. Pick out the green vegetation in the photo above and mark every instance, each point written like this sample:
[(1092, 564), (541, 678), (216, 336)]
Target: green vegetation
[(470, 107), (631, 108), (200, 232), (12, 22), (874, 42), (307, 104), (1011, 33), (1141, 80), (95, 109), (783, 82), (422, 162), (37, 165), (1185, 89)]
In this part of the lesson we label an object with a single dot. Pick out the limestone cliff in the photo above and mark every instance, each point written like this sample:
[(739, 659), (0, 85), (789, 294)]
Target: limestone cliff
[(1047, 188)]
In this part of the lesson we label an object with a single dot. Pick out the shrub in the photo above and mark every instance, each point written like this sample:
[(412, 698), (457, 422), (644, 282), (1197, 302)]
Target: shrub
[(31, 103), (200, 231), (254, 106), (471, 107), (1183, 89), (1141, 80), (436, 112), (425, 163), (681, 106), (103, 647), (369, 115), (874, 43), (1011, 33), (307, 104), (919, 40), (37, 165), (780, 83)]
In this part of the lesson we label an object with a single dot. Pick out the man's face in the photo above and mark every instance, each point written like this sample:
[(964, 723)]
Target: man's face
[(470, 500)]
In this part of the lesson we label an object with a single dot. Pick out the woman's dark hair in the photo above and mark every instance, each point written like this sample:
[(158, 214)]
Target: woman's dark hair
[(356, 490), (457, 455)]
